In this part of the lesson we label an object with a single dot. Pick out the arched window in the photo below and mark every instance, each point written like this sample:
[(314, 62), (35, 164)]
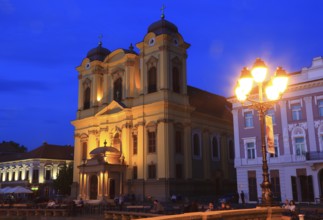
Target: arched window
[(48, 172), (84, 151), (176, 80), (152, 80), (117, 90), (87, 98), (151, 142), (299, 143), (117, 141), (178, 142), (215, 149), (196, 146)]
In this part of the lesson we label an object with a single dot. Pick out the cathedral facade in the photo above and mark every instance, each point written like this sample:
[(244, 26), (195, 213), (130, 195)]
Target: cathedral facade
[(141, 130)]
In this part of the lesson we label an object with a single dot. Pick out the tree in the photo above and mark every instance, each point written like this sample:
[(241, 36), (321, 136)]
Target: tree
[(12, 147), (64, 180)]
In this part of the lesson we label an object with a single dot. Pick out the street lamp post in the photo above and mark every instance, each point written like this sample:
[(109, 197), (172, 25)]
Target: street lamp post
[(274, 90)]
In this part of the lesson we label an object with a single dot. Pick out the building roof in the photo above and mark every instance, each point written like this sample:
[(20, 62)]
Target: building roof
[(162, 27), (209, 103), (98, 53), (45, 151)]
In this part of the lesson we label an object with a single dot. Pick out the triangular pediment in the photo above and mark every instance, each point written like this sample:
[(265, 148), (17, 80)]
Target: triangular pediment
[(112, 108)]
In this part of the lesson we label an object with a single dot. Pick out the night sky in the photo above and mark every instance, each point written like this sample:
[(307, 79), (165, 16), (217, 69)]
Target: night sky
[(41, 43)]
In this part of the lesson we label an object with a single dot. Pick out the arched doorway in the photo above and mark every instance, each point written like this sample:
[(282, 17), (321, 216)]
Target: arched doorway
[(93, 187)]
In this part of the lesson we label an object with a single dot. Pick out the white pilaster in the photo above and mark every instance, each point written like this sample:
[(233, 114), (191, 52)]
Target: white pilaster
[(237, 160), (105, 99), (284, 124), (310, 123)]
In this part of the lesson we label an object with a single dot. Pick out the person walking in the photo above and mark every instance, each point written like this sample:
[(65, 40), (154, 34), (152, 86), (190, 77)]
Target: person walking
[(242, 197)]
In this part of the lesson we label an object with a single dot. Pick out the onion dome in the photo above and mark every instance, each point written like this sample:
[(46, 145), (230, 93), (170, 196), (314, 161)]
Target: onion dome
[(162, 27), (103, 150), (98, 53), (112, 155)]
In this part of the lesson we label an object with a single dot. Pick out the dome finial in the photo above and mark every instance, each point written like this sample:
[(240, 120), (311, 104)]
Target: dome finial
[(100, 39), (163, 11)]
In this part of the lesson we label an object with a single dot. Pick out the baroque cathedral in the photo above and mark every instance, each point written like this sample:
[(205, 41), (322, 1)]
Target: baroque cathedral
[(141, 130)]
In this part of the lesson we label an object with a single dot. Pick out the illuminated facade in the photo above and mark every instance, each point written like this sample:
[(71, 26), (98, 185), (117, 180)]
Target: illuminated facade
[(35, 169), (296, 168), (140, 129)]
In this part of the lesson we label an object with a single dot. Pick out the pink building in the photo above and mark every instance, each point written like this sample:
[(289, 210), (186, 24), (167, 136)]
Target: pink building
[(296, 168)]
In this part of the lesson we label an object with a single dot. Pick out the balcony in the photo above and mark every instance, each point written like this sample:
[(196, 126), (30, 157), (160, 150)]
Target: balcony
[(314, 156)]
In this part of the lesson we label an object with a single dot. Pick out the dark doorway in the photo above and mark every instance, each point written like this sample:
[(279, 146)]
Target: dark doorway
[(112, 189), (307, 188), (93, 187)]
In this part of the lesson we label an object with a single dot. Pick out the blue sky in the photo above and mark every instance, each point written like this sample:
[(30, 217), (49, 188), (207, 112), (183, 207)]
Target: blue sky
[(41, 43)]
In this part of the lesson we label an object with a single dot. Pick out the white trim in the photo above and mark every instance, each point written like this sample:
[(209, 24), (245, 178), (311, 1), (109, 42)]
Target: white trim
[(246, 110), (317, 97), (244, 119), (295, 101), (245, 142), (296, 135)]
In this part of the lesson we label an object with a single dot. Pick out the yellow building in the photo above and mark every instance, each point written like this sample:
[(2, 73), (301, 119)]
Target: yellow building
[(140, 129)]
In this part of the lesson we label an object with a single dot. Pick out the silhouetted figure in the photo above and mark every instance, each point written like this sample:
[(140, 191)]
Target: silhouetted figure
[(242, 197)]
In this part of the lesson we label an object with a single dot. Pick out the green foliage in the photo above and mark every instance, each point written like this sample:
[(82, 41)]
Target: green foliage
[(64, 180)]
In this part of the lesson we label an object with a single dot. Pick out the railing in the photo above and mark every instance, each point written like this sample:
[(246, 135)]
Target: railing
[(314, 156)]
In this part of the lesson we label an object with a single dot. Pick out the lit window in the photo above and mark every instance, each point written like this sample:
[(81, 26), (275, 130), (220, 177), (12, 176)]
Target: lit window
[(251, 151), (320, 106), (151, 142), (135, 144), (248, 118), (117, 90), (300, 146), (276, 148), (296, 112), (271, 112)]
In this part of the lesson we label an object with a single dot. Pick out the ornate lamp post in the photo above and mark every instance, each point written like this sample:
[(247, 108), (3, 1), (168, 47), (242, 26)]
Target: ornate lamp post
[(274, 90)]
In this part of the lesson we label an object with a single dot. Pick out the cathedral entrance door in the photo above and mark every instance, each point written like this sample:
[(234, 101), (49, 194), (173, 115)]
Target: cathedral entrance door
[(93, 187), (112, 188)]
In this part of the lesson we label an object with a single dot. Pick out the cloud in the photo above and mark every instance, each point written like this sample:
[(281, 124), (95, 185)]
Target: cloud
[(22, 85)]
